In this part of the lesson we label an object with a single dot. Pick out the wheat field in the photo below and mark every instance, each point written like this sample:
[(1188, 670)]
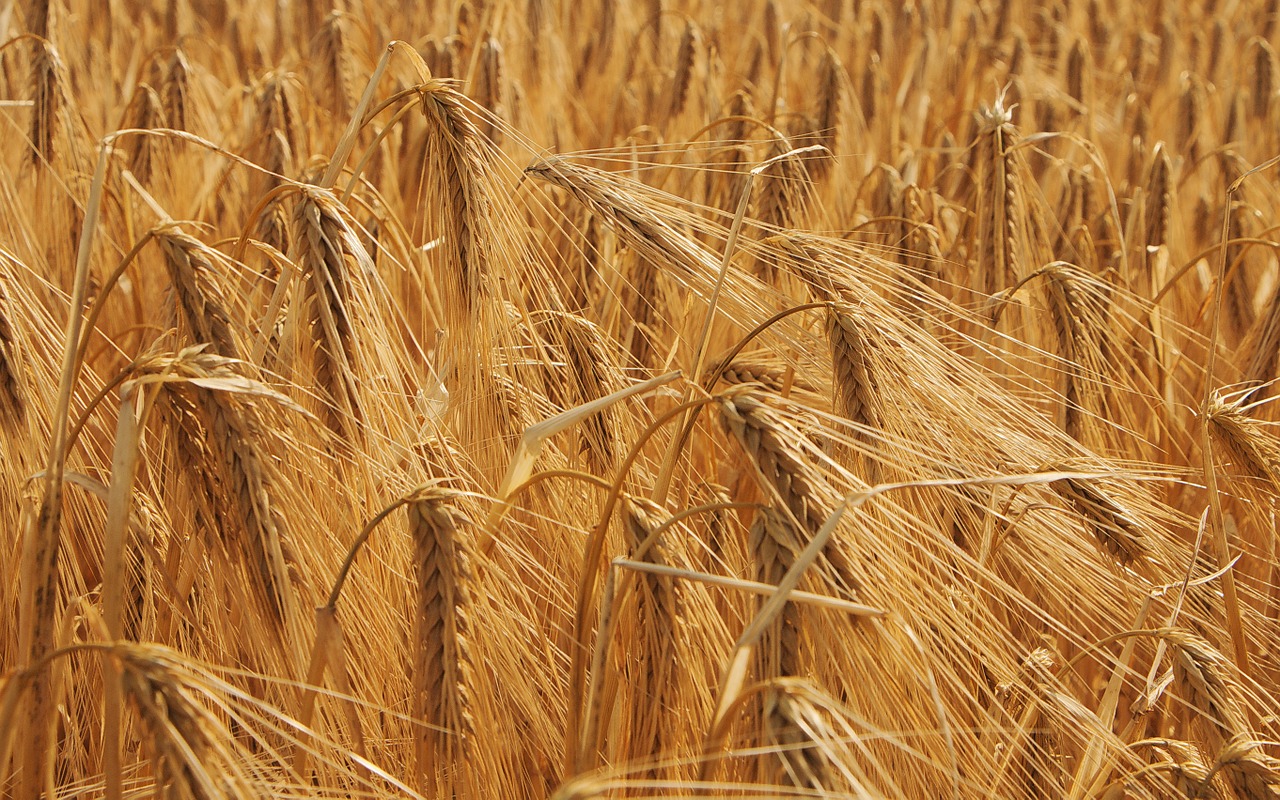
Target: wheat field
[(670, 398)]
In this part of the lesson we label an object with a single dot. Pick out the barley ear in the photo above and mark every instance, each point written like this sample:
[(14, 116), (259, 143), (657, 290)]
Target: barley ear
[(442, 665)]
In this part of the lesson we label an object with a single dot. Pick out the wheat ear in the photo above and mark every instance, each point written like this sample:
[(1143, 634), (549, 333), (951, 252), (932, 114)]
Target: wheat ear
[(442, 667)]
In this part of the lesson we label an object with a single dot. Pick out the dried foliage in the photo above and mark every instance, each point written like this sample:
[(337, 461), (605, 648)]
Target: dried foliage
[(776, 406)]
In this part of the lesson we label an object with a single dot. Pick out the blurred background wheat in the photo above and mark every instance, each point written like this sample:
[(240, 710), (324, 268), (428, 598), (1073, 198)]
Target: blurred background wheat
[(527, 399)]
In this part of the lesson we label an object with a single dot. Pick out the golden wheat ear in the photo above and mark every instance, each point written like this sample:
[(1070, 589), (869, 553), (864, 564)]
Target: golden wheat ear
[(442, 664)]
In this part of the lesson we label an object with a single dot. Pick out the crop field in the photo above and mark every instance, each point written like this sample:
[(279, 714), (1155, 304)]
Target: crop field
[(528, 399)]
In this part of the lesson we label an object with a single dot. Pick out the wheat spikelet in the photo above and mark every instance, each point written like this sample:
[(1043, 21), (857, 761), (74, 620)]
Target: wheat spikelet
[(1115, 527), (1076, 212), (488, 91), (1158, 212), (455, 162), (1236, 125), (441, 56), (1079, 77), (853, 378), (1248, 770), (678, 94), (12, 394), (773, 545), (49, 77), (803, 257), (229, 426), (654, 654), (590, 372), (600, 45), (1217, 41), (656, 242), (330, 258), (771, 376), (827, 117), (767, 438), (1187, 773), (772, 445), (188, 746), (274, 228), (144, 111), (1079, 307), (1001, 239), (794, 728), (1211, 693), (1264, 83), (1263, 347), (39, 18), (785, 193), (333, 64), (1191, 113), (442, 667), (202, 311), (1252, 447), (278, 139), (1238, 314), (176, 93), (872, 90), (1026, 700)]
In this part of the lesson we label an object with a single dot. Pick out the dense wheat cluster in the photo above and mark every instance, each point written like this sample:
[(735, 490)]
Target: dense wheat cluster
[(680, 398)]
